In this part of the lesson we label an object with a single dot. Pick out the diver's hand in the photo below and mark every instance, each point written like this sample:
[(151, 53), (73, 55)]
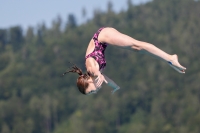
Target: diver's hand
[(99, 80)]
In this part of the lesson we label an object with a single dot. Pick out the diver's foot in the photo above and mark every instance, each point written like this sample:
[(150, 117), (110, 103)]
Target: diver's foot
[(176, 65)]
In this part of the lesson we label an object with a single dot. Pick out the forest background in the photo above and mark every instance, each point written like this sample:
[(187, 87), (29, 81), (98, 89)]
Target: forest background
[(153, 97)]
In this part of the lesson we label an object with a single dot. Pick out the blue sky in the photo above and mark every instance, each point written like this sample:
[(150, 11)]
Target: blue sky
[(33, 12)]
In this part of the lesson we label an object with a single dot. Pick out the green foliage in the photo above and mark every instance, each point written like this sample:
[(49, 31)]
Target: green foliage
[(153, 98)]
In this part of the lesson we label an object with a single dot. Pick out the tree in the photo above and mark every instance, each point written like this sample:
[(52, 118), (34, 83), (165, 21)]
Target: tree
[(3, 40), (84, 13), (41, 32), (71, 22), (110, 6), (16, 37), (57, 25)]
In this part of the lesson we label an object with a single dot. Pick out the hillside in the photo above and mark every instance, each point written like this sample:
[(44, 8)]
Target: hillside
[(153, 97)]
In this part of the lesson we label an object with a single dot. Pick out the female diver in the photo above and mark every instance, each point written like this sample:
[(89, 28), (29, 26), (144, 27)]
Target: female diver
[(95, 62)]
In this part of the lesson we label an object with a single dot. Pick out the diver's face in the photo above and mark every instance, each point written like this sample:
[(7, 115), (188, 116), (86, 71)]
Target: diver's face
[(92, 89)]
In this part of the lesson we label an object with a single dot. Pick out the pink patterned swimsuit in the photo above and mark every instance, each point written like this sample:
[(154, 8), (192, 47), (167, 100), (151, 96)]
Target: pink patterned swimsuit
[(98, 53)]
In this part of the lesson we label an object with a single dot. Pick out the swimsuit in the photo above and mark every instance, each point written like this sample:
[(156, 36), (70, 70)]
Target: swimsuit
[(98, 53)]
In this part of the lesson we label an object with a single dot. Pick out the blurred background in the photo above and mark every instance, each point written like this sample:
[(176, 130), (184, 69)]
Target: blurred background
[(38, 39)]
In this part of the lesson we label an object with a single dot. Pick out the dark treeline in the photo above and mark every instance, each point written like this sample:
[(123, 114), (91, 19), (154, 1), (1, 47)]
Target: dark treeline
[(153, 97)]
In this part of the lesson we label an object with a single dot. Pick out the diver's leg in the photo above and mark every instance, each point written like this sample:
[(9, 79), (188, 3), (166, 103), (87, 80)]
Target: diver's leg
[(114, 37)]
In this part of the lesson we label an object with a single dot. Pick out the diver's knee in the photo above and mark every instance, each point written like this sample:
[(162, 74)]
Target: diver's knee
[(136, 48)]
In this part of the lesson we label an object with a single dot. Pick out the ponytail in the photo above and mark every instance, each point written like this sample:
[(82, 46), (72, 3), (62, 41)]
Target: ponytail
[(82, 83), (74, 69)]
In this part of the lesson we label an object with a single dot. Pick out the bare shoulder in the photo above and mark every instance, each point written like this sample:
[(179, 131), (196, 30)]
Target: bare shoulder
[(91, 63)]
